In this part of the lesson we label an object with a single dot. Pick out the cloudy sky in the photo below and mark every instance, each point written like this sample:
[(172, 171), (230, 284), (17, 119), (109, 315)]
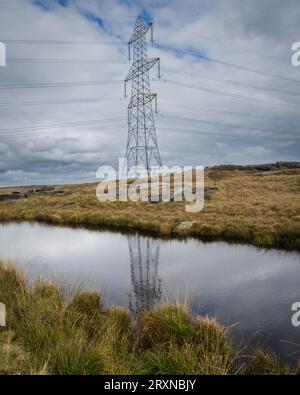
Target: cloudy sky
[(228, 94)]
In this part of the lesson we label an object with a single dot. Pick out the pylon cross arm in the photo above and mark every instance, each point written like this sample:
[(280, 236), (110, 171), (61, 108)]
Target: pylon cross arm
[(140, 32), (147, 98), (140, 67)]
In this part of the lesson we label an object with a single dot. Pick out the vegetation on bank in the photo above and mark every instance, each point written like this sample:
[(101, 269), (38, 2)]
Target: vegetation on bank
[(49, 334), (263, 211)]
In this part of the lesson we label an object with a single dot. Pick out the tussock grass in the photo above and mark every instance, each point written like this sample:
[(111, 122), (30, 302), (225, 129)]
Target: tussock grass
[(165, 324), (178, 345), (48, 334), (267, 363), (263, 211)]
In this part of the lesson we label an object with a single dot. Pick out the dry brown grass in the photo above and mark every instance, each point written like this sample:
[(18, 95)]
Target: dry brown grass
[(263, 211)]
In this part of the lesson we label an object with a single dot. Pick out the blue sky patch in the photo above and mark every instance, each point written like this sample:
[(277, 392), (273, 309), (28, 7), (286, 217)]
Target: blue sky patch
[(180, 53), (146, 16), (44, 5), (93, 18), (50, 4)]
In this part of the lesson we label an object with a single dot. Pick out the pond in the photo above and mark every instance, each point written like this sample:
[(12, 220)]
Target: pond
[(249, 288)]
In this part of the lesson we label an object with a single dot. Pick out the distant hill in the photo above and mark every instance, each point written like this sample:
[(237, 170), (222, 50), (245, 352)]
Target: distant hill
[(260, 167)]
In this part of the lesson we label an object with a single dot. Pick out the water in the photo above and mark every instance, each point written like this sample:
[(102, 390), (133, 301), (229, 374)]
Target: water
[(251, 288)]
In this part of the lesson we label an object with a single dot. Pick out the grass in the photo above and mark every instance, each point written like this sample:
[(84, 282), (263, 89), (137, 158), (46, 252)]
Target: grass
[(49, 334), (263, 211)]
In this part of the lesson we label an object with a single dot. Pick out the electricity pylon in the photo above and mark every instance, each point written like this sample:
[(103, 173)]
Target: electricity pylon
[(142, 147), (146, 284)]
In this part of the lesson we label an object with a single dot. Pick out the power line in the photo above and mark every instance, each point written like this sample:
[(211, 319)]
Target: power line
[(100, 129), (205, 133), (202, 133), (33, 131), (233, 95), (214, 123), (96, 61), (221, 81), (82, 13), (229, 112), (231, 44), (185, 131), (57, 42), (59, 84), (53, 102), (223, 63), (171, 129), (52, 133), (193, 131), (58, 125)]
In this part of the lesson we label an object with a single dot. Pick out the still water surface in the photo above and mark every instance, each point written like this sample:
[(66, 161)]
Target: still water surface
[(249, 287)]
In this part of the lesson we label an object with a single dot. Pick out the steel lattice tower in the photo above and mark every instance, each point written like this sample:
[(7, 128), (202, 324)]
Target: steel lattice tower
[(142, 147), (146, 284)]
